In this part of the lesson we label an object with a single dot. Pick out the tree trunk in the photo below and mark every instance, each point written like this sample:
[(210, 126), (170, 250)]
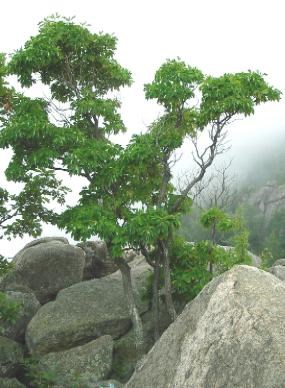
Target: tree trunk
[(167, 283), (133, 310), (155, 298), (211, 269), (214, 231)]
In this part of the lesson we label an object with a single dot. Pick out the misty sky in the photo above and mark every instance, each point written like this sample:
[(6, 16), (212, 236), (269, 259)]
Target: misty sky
[(216, 36)]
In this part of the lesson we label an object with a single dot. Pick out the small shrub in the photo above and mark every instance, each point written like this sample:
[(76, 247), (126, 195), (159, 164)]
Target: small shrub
[(9, 310)]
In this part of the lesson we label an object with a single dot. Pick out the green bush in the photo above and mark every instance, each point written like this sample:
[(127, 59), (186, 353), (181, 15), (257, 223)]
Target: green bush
[(9, 309)]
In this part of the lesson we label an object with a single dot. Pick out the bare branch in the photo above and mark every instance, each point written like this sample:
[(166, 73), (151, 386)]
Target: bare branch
[(84, 174), (205, 159), (219, 189), (7, 218)]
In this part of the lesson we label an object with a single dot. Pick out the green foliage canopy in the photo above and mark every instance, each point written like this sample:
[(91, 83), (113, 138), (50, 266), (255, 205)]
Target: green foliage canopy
[(129, 198)]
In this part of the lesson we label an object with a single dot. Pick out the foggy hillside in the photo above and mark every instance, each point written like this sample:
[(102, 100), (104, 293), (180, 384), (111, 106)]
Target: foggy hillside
[(260, 159)]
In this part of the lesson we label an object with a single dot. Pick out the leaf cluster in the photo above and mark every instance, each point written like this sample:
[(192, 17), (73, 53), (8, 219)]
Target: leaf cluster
[(9, 311), (233, 94), (189, 266), (216, 216), (174, 84), (190, 262), (69, 58)]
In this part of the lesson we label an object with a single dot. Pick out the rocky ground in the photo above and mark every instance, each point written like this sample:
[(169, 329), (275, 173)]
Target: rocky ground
[(74, 328)]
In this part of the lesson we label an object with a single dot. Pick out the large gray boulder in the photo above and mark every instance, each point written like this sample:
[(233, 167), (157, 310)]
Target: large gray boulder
[(28, 306), (85, 311), (84, 365), (44, 267), (278, 271), (231, 335), (279, 262), (41, 240), (11, 357)]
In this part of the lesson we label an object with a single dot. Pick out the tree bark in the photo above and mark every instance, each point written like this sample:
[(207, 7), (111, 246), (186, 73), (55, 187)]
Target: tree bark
[(214, 231), (167, 282), (155, 299), (133, 310)]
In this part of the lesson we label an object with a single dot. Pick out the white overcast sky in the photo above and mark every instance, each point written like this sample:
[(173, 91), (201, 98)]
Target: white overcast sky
[(217, 36)]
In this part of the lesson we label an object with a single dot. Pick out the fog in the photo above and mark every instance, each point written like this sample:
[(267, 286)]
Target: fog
[(206, 34)]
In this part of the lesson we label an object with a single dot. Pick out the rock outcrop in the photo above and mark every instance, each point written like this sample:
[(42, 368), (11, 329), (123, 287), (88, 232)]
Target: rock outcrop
[(269, 199), (231, 335), (71, 337), (85, 311), (45, 266)]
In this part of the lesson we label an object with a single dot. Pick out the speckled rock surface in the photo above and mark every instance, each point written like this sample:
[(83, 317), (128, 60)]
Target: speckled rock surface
[(11, 356), (84, 365), (46, 266), (231, 335), (85, 311)]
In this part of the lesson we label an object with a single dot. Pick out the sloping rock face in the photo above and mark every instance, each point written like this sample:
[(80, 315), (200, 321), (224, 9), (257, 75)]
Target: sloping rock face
[(85, 311), (29, 305), (84, 365), (231, 335), (44, 267), (269, 199), (11, 356)]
